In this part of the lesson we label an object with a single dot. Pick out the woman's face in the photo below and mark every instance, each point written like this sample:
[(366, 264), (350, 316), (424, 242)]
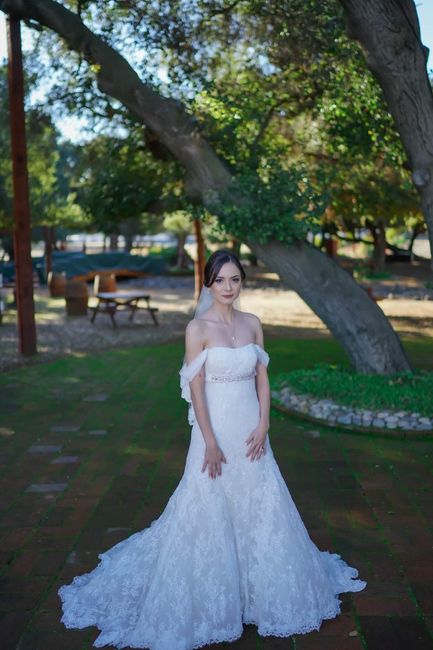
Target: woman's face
[(227, 284)]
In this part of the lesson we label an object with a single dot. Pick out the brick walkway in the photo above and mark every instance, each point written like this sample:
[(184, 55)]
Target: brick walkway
[(93, 447)]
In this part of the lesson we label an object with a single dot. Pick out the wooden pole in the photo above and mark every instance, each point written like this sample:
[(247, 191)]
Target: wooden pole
[(22, 231), (200, 262), (48, 239)]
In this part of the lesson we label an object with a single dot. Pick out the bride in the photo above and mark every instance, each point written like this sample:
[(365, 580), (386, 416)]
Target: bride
[(230, 546)]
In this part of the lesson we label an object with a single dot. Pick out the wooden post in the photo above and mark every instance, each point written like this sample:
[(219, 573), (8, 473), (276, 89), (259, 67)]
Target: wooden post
[(48, 239), (22, 232), (200, 262)]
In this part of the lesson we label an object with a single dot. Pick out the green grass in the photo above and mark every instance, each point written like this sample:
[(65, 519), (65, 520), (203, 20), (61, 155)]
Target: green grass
[(132, 375), (411, 392), (362, 273), (292, 354)]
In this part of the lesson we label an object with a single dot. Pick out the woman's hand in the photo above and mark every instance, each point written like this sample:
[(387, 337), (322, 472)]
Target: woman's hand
[(213, 457), (257, 442)]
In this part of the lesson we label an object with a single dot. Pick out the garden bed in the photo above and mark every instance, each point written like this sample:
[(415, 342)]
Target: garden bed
[(401, 403)]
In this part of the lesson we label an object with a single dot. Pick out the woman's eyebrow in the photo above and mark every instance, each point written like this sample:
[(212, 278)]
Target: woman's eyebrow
[(233, 276)]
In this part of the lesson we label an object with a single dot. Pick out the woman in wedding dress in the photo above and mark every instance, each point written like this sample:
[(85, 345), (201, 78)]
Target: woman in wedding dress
[(230, 546)]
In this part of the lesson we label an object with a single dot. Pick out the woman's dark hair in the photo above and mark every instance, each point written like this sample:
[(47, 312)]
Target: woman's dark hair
[(216, 261)]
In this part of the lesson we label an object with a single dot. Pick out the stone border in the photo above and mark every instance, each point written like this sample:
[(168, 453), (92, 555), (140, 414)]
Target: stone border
[(329, 413)]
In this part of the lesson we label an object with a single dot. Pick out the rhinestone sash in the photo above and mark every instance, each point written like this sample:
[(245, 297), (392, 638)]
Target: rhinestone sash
[(217, 378)]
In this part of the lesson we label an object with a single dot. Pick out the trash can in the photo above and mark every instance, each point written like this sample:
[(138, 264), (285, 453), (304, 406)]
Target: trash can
[(56, 284), (76, 296)]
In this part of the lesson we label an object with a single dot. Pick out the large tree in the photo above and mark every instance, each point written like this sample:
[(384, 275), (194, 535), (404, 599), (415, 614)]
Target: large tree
[(389, 33), (353, 318)]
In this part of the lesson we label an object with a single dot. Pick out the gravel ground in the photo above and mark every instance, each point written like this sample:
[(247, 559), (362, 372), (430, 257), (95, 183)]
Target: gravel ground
[(281, 311)]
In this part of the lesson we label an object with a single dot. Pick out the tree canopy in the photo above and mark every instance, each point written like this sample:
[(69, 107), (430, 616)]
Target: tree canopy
[(279, 91)]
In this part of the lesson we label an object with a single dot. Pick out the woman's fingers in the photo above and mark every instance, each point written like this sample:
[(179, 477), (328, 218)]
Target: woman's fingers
[(253, 449), (250, 449), (214, 466), (256, 451)]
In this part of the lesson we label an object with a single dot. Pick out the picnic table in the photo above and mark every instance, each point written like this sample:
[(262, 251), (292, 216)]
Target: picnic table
[(109, 302)]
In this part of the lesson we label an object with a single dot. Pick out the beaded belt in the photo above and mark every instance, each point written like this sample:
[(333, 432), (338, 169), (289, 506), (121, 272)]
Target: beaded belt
[(214, 378)]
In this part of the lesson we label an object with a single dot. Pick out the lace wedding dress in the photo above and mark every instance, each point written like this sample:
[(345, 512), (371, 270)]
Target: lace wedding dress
[(224, 552)]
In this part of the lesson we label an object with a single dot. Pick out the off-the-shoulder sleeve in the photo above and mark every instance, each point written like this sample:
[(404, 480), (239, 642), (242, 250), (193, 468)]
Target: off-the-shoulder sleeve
[(187, 374), (262, 355)]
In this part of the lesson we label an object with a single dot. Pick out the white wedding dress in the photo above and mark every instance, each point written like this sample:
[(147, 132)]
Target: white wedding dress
[(224, 551)]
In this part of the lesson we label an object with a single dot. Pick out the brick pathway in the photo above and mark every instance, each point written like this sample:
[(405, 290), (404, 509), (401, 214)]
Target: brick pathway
[(79, 475)]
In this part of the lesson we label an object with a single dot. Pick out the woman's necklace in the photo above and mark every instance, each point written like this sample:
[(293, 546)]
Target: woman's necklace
[(233, 335)]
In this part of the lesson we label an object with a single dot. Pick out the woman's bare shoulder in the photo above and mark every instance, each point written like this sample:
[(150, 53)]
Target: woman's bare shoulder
[(194, 340), (195, 327), (195, 333), (250, 318), (253, 324)]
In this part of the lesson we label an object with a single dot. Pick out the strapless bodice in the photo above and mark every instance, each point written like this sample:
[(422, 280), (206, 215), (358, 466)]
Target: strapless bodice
[(222, 365)]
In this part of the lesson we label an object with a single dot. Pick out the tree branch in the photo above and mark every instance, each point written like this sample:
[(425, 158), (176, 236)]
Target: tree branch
[(206, 174), (355, 240)]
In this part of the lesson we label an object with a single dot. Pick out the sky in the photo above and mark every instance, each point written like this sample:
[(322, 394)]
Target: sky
[(70, 127)]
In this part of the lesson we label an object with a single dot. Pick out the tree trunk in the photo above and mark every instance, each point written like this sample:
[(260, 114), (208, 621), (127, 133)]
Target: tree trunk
[(129, 240), (328, 289), (181, 257), (378, 232), (48, 249), (114, 242), (331, 246), (200, 261), (417, 230), (389, 33), (236, 246), (346, 309)]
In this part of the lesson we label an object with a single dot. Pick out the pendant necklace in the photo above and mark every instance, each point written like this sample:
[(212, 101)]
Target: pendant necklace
[(233, 336)]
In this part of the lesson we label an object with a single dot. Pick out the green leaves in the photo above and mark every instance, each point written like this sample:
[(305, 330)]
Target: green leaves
[(272, 202), (118, 179), (51, 198)]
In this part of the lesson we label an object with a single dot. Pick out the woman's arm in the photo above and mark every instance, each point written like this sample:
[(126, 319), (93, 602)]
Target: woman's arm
[(193, 347), (257, 438), (213, 454), (262, 383)]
